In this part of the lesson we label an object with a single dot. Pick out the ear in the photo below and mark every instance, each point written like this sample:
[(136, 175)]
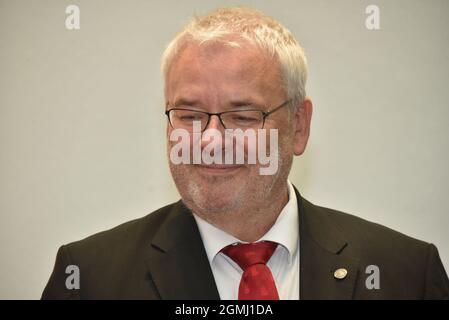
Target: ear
[(303, 118)]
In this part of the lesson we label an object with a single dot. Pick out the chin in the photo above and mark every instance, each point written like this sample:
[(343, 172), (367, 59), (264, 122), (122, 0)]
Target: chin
[(214, 199)]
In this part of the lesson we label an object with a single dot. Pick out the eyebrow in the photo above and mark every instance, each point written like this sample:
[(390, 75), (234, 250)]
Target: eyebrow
[(186, 102), (234, 103), (242, 103)]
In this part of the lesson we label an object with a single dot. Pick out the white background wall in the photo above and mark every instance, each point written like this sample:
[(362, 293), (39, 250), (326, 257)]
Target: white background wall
[(82, 126)]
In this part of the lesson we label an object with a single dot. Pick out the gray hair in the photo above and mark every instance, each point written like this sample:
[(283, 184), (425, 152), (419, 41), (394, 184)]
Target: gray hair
[(257, 29)]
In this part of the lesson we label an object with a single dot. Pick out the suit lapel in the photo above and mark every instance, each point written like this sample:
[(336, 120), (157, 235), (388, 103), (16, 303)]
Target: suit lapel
[(323, 250), (317, 273), (177, 260)]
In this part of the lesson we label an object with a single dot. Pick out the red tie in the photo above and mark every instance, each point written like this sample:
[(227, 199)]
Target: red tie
[(257, 282)]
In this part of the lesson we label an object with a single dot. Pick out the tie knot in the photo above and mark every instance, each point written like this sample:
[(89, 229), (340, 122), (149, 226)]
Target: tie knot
[(248, 254)]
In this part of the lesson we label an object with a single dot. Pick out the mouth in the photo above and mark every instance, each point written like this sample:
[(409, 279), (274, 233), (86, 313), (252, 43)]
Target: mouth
[(219, 168)]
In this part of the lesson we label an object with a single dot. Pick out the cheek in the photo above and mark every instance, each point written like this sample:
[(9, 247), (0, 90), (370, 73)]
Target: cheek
[(286, 146), (286, 141), (274, 139)]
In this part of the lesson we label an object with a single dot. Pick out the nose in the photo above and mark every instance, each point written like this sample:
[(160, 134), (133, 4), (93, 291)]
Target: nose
[(214, 123), (214, 138)]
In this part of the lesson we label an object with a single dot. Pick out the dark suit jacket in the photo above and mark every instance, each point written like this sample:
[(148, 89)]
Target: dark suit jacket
[(161, 256)]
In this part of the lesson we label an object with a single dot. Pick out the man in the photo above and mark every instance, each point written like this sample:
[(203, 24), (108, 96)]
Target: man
[(238, 233)]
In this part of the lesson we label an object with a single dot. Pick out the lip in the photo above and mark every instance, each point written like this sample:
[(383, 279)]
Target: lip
[(219, 168)]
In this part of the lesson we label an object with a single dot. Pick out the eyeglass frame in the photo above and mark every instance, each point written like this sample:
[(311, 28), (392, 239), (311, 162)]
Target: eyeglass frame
[(265, 114)]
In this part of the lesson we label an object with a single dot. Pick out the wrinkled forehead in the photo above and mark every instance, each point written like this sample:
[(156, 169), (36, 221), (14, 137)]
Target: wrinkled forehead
[(219, 65)]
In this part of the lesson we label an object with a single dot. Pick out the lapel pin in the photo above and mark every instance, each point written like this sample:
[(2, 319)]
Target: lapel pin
[(340, 273)]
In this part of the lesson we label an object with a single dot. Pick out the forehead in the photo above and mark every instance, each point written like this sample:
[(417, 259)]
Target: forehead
[(223, 71)]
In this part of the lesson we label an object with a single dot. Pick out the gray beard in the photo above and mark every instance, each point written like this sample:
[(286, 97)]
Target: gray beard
[(243, 196)]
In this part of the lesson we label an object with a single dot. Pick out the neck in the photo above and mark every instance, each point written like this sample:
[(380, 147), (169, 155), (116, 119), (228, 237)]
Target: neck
[(252, 221)]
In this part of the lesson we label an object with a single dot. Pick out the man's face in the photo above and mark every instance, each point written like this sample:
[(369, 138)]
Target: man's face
[(216, 78)]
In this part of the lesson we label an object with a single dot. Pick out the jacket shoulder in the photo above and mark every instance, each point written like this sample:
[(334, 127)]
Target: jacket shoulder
[(366, 233), (409, 267), (128, 235), (105, 256)]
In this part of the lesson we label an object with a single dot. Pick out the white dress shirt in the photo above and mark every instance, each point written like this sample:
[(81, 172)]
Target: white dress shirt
[(284, 263)]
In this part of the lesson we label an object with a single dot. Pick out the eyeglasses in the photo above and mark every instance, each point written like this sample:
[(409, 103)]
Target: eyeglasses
[(180, 118)]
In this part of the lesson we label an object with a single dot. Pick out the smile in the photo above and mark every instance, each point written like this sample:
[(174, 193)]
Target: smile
[(215, 153)]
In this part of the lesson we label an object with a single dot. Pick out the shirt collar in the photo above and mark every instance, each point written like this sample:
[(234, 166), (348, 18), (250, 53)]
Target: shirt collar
[(285, 230)]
